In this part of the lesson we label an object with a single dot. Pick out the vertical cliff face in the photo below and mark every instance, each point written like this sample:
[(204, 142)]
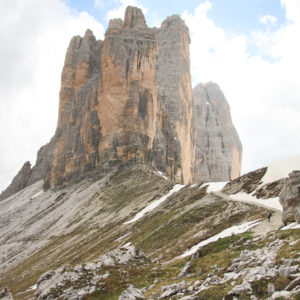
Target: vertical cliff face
[(218, 148), (129, 98), (126, 98), (175, 92)]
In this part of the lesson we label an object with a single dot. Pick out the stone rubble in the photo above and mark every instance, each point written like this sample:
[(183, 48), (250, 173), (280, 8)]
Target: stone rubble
[(185, 270), (250, 266), (132, 293), (246, 269), (5, 294), (86, 278), (172, 289)]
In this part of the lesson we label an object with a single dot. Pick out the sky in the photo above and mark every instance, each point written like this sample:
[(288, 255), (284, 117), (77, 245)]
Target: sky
[(249, 47)]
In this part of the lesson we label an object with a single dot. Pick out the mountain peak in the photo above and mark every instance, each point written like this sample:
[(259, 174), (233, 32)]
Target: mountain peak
[(129, 99), (133, 17)]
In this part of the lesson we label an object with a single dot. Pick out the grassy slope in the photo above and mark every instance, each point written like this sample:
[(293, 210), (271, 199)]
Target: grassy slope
[(182, 221)]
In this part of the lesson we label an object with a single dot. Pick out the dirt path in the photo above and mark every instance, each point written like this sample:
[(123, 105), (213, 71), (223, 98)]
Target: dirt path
[(264, 226)]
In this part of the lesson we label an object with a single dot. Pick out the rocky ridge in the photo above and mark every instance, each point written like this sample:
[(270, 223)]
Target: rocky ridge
[(89, 251), (129, 98)]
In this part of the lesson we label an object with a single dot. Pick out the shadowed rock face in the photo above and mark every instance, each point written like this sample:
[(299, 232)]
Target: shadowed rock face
[(218, 148), (19, 182), (129, 98), (290, 198)]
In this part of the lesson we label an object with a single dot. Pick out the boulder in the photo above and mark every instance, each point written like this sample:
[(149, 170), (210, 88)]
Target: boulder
[(290, 198)]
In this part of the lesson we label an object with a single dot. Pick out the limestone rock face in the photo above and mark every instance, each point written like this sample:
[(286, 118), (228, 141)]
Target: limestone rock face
[(129, 99), (19, 182), (133, 17), (175, 93), (218, 148), (290, 198)]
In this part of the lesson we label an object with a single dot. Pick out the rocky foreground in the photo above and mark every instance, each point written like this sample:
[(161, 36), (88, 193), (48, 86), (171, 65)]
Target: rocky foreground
[(255, 268), (92, 241)]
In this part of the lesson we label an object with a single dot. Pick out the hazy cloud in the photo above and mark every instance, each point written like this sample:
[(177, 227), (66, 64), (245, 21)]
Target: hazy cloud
[(268, 19), (102, 4), (263, 90)]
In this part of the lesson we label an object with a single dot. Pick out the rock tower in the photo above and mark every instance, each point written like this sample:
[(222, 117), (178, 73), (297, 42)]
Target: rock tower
[(129, 98)]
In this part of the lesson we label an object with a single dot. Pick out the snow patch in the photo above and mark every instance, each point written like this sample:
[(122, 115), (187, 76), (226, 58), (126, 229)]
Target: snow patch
[(291, 226), (122, 237), (154, 204), (32, 288), (37, 194), (161, 174), (213, 186), (236, 229), (270, 202), (281, 169)]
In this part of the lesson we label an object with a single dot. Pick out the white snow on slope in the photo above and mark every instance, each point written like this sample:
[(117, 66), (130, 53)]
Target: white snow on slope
[(154, 204), (270, 203), (236, 229), (122, 237), (32, 288), (213, 186), (291, 226), (281, 169), (37, 194), (161, 174)]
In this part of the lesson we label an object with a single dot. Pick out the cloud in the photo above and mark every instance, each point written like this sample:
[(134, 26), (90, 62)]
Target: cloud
[(292, 9), (120, 10), (268, 19), (102, 4), (263, 89), (34, 38)]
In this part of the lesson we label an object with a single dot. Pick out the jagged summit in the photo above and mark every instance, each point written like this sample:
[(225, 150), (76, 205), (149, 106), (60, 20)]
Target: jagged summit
[(129, 98), (133, 17), (219, 149)]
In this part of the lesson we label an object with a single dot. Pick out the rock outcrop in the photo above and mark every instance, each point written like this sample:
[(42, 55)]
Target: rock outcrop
[(218, 148), (19, 182), (89, 277), (290, 198), (129, 99), (29, 175), (5, 294)]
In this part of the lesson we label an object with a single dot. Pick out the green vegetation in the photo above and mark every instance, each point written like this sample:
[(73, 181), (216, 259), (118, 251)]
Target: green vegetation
[(183, 220)]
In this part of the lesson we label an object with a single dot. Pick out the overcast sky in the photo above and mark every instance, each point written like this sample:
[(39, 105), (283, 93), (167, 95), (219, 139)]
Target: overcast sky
[(250, 48)]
